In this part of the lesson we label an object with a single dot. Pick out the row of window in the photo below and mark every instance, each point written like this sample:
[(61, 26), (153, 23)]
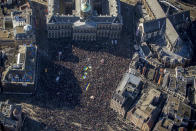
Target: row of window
[(109, 27), (106, 32), (153, 34), (183, 25), (103, 32), (175, 94), (56, 27), (117, 100), (18, 37), (67, 34), (84, 37), (19, 23), (84, 30), (62, 34), (113, 35)]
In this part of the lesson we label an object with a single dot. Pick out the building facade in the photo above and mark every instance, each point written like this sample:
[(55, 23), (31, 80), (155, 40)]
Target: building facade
[(23, 25), (177, 111), (168, 32), (146, 111), (87, 20), (10, 116), (126, 93)]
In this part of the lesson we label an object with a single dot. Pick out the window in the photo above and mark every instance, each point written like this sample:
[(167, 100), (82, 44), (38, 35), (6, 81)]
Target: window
[(149, 36), (155, 33), (144, 36), (160, 32), (177, 26)]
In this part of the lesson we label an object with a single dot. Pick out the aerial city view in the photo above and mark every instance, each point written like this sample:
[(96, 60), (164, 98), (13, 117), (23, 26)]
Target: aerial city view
[(97, 65)]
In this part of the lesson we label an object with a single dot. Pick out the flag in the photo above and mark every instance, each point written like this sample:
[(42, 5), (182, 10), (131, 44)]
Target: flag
[(87, 86)]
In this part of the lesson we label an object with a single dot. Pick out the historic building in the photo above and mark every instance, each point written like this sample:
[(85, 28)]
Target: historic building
[(166, 33), (10, 116), (147, 110), (20, 77), (126, 93), (88, 20)]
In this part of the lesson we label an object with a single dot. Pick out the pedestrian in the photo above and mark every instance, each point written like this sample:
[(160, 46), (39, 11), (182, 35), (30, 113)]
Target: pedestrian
[(102, 61)]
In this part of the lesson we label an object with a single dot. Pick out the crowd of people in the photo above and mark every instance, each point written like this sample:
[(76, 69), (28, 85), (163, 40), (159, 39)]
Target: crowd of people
[(88, 107)]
